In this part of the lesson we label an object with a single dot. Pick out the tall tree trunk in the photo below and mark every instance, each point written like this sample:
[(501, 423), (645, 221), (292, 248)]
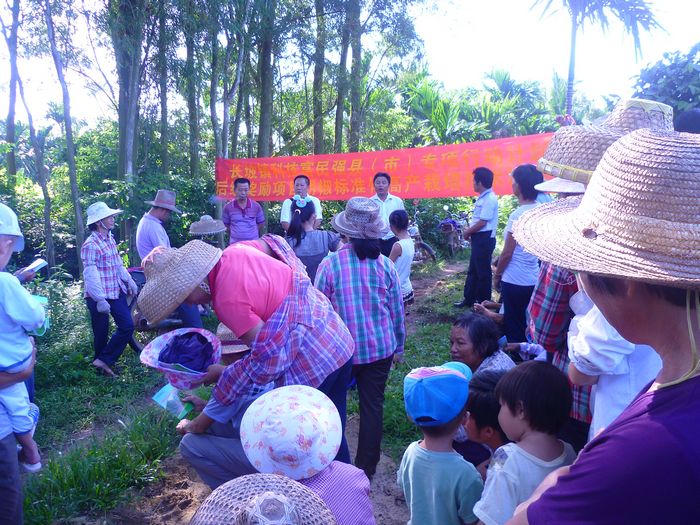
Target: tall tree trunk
[(163, 85), (191, 86), (572, 67), (319, 63), (355, 75), (235, 129), (10, 128), (70, 146), (342, 87), (38, 148), (266, 78), (214, 88), (249, 127)]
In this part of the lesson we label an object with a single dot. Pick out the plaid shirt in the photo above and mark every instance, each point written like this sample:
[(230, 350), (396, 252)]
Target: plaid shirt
[(367, 295), (302, 343), (102, 252), (550, 316)]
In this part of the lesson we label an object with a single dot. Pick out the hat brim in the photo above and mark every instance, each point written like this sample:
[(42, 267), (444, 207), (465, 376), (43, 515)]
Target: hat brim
[(167, 290), (345, 227), (162, 205), (103, 215), (559, 185), (557, 233)]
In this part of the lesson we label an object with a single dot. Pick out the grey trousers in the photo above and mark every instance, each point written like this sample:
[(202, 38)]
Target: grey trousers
[(216, 455)]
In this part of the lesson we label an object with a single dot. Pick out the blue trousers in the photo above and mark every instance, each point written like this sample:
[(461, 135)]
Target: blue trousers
[(335, 386), (11, 499), (106, 350), (189, 313)]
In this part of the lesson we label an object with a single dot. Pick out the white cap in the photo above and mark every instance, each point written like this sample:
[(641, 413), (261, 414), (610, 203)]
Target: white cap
[(9, 225)]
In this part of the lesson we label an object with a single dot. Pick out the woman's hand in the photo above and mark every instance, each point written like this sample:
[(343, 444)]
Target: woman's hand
[(213, 374), (198, 402), (197, 426), (497, 282)]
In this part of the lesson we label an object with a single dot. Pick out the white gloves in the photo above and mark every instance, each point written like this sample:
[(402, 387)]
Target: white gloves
[(93, 284), (103, 306), (132, 288)]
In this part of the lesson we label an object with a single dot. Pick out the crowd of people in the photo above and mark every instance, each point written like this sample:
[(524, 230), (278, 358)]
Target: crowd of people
[(561, 403)]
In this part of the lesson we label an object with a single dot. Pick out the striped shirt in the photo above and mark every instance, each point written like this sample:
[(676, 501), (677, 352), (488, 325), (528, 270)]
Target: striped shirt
[(101, 251), (302, 343), (367, 295)]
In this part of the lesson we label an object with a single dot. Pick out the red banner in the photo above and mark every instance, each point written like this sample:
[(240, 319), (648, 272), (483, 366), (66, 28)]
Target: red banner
[(433, 171)]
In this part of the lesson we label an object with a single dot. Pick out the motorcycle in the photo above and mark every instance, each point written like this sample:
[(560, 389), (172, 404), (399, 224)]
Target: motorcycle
[(452, 226), (423, 251)]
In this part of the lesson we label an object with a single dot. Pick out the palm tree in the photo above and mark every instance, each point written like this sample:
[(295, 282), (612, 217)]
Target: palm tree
[(634, 15)]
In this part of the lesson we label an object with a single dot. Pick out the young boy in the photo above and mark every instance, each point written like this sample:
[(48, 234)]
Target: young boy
[(19, 313), (440, 487), (535, 400)]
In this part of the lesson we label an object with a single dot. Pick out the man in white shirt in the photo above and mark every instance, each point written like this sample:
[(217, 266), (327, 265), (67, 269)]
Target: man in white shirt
[(301, 188), (482, 231), (387, 204)]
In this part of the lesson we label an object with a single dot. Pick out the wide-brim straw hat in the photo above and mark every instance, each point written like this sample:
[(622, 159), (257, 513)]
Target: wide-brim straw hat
[(230, 344), (639, 218), (574, 151), (294, 431), (207, 225), (362, 219), (559, 185), (98, 211), (172, 274), (164, 199), (229, 503)]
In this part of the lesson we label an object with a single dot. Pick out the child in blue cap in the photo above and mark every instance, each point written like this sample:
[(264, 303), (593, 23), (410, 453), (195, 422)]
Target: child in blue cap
[(440, 486)]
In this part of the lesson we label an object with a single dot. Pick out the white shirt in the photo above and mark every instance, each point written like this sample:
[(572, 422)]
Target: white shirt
[(523, 268), (286, 213), (19, 314), (403, 265), (623, 368), (387, 206), (486, 209)]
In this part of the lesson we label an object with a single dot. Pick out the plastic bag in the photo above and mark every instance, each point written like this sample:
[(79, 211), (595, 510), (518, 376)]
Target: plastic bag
[(168, 397)]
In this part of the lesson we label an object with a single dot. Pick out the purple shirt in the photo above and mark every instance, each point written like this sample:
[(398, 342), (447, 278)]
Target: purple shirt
[(243, 222), (149, 234), (644, 468), (345, 490)]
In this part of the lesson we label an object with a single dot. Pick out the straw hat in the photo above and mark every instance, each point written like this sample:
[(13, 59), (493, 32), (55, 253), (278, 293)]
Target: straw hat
[(639, 218), (9, 225), (362, 219), (263, 499), (206, 225), (98, 211), (172, 274), (294, 431), (164, 199), (559, 185), (575, 151), (230, 344)]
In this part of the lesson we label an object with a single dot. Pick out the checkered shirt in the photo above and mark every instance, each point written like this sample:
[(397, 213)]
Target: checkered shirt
[(302, 343), (101, 251), (367, 295)]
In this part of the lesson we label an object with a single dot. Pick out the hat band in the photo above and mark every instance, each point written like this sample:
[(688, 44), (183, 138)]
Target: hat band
[(565, 172)]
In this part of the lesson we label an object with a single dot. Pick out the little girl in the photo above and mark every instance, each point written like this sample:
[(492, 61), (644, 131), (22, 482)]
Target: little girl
[(535, 400), (402, 253)]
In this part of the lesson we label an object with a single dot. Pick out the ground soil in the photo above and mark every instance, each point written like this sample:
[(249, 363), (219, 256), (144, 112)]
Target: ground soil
[(175, 498)]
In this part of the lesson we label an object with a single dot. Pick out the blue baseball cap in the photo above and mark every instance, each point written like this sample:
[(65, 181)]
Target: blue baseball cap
[(436, 395)]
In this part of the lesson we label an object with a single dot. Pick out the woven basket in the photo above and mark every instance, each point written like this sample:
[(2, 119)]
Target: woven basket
[(226, 505)]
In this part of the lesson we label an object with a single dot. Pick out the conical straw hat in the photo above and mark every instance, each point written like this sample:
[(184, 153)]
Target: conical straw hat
[(639, 218)]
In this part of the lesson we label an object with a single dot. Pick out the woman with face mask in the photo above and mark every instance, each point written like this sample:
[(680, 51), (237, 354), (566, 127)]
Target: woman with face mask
[(107, 284)]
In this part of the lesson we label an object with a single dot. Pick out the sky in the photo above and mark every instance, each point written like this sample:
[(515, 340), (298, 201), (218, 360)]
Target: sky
[(464, 40)]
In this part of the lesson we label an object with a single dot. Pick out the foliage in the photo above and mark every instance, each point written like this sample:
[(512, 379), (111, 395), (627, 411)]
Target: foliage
[(673, 80)]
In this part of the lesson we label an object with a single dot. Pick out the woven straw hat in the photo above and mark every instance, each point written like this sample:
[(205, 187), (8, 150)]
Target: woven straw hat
[(294, 431), (575, 151), (243, 499), (206, 225), (98, 211), (164, 199), (639, 218), (172, 274), (230, 344), (362, 219)]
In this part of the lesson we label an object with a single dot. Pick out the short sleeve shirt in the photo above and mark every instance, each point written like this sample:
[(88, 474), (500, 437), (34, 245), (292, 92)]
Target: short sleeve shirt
[(247, 286), (486, 209), (523, 268), (242, 222), (286, 213), (387, 206), (149, 234)]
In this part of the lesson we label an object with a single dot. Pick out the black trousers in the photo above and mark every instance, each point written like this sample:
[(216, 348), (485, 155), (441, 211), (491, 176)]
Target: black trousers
[(477, 286), (11, 499), (371, 382), (385, 245), (515, 299)]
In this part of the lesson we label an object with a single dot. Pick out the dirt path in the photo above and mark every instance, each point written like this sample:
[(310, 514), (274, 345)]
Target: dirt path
[(174, 499)]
